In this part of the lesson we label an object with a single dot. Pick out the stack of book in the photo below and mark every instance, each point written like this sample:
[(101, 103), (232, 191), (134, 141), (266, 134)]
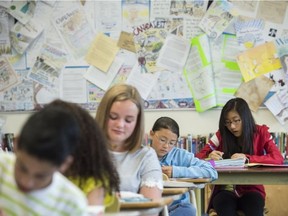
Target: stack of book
[(229, 163)]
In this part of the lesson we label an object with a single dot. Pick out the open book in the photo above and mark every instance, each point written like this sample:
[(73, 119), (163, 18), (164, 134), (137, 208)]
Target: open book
[(229, 163), (265, 165)]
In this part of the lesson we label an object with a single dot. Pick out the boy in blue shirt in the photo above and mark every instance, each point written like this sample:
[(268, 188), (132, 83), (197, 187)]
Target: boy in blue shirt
[(177, 162)]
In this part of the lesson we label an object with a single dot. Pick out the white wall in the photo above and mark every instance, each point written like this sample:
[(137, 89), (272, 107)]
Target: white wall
[(189, 120)]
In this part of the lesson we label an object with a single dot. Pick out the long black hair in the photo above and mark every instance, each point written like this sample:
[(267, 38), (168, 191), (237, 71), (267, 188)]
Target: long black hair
[(230, 142)]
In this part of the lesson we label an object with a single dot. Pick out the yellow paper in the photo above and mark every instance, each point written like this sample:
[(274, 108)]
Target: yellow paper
[(102, 52), (258, 61), (126, 41)]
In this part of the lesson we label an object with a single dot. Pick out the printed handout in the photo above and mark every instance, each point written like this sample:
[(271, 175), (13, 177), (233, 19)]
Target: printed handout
[(199, 74), (74, 29), (8, 76), (174, 53), (217, 18), (48, 66), (103, 79), (144, 82), (23, 35), (5, 45), (102, 52), (258, 61)]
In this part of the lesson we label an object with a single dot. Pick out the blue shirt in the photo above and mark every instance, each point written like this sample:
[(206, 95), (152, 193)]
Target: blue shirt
[(186, 165)]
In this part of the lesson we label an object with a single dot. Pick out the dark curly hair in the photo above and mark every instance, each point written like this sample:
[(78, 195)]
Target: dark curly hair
[(91, 158)]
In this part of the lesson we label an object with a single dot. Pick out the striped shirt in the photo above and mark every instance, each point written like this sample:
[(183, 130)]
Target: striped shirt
[(60, 198)]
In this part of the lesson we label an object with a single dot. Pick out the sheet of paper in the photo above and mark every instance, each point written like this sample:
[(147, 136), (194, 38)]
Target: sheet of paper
[(126, 41), (217, 18), (170, 85), (5, 45), (249, 33), (103, 79), (102, 52), (48, 66), (227, 75), (18, 97), (144, 82), (23, 35), (174, 53), (134, 13), (8, 76), (108, 17), (199, 74), (44, 95), (22, 10), (74, 29), (255, 91), (149, 39), (258, 61), (278, 109), (73, 85)]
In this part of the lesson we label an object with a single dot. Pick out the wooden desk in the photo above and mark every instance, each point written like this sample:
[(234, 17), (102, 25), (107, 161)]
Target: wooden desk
[(250, 176), (253, 175), (144, 208), (174, 191), (193, 180), (189, 184)]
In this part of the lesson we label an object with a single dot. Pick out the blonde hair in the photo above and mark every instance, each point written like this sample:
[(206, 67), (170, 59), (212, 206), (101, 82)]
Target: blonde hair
[(122, 92)]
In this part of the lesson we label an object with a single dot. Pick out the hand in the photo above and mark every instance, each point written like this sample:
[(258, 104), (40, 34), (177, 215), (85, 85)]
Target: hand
[(2, 213), (168, 170), (216, 155), (238, 155)]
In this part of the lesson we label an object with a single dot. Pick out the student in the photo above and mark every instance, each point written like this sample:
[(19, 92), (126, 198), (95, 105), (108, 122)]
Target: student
[(92, 169), (239, 137), (177, 162), (121, 115), (30, 183)]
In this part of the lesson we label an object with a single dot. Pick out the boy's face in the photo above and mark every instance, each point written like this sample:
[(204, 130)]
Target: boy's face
[(32, 173), (163, 141)]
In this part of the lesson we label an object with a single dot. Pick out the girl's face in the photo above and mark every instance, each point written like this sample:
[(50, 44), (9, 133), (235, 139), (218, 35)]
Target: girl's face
[(234, 123), (121, 122), (32, 173), (163, 141)]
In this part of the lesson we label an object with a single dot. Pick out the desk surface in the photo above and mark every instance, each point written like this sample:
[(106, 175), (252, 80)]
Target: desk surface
[(174, 191), (255, 175), (146, 204), (193, 180)]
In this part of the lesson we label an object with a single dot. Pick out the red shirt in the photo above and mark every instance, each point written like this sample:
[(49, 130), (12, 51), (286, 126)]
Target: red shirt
[(265, 151)]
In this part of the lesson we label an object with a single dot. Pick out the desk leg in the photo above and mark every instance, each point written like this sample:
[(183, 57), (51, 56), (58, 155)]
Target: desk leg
[(198, 201), (165, 211)]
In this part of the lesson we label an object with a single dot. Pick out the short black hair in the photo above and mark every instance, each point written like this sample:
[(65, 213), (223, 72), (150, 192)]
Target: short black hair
[(50, 134), (166, 123)]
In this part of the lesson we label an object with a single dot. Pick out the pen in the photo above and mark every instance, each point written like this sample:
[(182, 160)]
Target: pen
[(211, 147)]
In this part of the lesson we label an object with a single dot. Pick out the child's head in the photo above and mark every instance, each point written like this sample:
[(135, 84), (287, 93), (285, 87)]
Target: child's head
[(122, 107), (45, 145), (236, 117), (164, 134), (91, 156)]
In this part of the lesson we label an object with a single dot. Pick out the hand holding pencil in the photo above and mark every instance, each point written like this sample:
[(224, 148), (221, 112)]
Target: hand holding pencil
[(216, 155)]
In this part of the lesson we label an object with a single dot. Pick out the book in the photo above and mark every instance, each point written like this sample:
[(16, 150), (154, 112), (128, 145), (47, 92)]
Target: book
[(228, 163), (265, 165)]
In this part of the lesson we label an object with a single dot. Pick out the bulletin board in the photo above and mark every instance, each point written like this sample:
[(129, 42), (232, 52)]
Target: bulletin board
[(50, 49)]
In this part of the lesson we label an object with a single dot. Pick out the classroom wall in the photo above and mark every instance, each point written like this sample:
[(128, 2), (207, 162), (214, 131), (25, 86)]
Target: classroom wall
[(190, 121)]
